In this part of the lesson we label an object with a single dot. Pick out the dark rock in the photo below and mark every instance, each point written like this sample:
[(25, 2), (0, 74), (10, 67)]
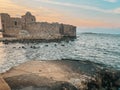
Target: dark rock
[(92, 85), (62, 45), (6, 42), (55, 44), (34, 82), (23, 47), (33, 47), (105, 80), (46, 45), (63, 86), (117, 83)]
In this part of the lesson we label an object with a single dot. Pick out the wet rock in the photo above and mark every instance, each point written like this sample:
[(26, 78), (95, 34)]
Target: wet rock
[(62, 45), (63, 86), (46, 45), (23, 47), (5, 42), (93, 85), (33, 47), (55, 44), (14, 47), (106, 80), (117, 82)]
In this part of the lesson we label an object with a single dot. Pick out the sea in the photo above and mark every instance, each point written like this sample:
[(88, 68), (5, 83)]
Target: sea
[(95, 47)]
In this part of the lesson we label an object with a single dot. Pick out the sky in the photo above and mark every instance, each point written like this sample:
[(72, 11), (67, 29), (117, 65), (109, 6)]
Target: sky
[(85, 14)]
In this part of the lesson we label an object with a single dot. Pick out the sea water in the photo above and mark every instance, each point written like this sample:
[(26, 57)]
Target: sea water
[(98, 48)]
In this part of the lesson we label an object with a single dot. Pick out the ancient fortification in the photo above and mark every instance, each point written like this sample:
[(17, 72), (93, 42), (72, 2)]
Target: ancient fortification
[(26, 27)]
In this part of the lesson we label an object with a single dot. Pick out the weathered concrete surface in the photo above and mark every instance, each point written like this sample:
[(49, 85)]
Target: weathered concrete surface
[(3, 84), (62, 75)]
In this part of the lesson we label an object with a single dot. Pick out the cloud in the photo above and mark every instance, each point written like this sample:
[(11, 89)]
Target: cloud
[(54, 15), (82, 6), (117, 10), (112, 1)]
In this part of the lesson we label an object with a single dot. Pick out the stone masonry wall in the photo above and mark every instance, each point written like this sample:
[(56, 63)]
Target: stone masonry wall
[(11, 26), (44, 30), (5, 20), (27, 18), (27, 27), (16, 23), (69, 30), (11, 32)]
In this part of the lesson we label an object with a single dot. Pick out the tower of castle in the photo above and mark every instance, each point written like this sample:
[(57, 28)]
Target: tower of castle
[(27, 18), (5, 20)]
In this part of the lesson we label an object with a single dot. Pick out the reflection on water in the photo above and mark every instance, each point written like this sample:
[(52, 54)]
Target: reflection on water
[(96, 48)]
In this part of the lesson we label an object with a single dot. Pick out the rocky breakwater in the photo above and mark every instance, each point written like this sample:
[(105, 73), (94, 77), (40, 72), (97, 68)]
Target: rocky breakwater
[(62, 75)]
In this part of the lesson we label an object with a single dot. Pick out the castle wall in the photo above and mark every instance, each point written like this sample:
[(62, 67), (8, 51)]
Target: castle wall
[(16, 23), (5, 20), (69, 30), (10, 26), (27, 27), (11, 32), (43, 30)]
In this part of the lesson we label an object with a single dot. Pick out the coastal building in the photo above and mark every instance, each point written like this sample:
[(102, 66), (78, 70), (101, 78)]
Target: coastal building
[(27, 27)]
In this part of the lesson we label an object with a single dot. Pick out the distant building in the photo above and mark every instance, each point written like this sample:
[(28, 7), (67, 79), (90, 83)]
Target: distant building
[(27, 27)]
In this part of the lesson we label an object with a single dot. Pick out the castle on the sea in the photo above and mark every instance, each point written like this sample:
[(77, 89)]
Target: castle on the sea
[(27, 27)]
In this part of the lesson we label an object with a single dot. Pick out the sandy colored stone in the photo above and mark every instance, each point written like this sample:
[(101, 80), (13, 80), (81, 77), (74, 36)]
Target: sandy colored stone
[(26, 27), (47, 72), (59, 74)]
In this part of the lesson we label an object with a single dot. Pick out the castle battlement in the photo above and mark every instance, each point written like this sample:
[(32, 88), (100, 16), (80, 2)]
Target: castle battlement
[(27, 27)]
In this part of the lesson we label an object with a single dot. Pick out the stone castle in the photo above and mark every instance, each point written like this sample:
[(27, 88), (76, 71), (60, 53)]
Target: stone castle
[(26, 27)]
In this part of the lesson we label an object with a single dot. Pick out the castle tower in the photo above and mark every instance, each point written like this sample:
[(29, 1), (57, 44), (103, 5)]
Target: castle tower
[(28, 18), (5, 21)]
